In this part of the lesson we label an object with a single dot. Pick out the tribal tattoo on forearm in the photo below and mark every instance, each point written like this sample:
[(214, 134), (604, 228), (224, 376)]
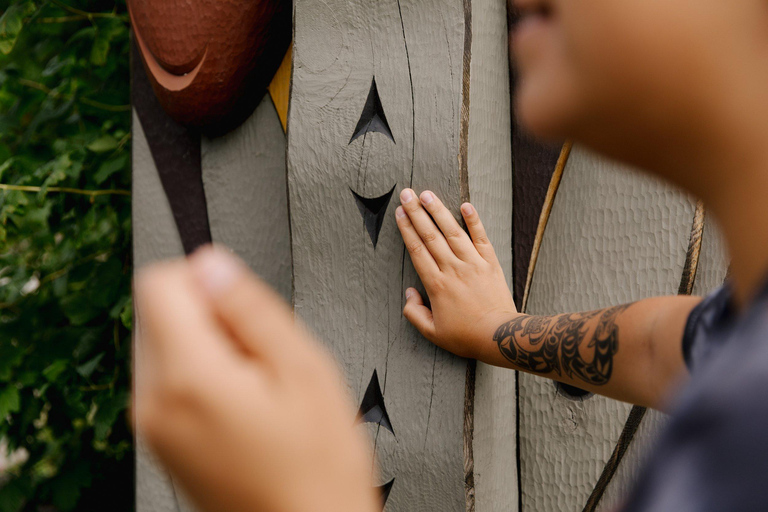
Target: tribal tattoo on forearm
[(556, 340)]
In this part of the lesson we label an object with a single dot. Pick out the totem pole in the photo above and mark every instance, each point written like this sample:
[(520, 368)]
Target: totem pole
[(208, 149), (386, 95)]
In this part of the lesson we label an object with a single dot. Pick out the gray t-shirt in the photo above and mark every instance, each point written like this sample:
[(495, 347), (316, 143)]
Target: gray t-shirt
[(713, 455)]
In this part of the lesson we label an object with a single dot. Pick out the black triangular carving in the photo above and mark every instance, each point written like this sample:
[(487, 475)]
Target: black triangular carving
[(372, 119), (373, 410), (385, 490), (373, 210)]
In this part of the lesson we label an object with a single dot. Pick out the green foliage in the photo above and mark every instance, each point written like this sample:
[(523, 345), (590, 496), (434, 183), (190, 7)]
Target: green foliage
[(65, 269)]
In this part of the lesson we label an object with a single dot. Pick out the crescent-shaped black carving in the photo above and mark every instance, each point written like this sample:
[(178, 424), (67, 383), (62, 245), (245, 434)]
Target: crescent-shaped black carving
[(385, 490), (373, 210), (176, 152)]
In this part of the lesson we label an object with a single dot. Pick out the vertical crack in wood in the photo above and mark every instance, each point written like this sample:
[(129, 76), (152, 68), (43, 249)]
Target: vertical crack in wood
[(549, 202), (469, 390), (465, 83), (469, 433), (694, 251), (637, 413)]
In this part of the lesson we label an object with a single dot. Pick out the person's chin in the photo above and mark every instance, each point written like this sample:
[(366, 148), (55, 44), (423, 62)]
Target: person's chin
[(540, 115)]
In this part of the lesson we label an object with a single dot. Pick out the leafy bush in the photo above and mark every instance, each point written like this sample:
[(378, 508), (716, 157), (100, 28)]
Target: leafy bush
[(65, 303)]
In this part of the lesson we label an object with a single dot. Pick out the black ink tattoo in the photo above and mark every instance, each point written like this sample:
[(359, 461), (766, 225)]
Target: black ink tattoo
[(556, 340)]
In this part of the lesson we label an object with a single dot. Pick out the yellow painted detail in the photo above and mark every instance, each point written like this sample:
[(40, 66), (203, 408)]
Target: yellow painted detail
[(280, 88)]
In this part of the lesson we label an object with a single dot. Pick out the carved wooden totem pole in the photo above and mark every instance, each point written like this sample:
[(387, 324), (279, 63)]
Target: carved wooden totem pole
[(384, 95)]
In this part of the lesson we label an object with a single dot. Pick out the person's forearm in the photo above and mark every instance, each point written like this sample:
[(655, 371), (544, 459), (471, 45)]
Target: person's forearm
[(630, 352)]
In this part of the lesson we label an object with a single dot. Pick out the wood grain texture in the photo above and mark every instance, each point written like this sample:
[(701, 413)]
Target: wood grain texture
[(489, 176), (711, 272), (350, 293), (244, 180), (614, 236), (247, 196)]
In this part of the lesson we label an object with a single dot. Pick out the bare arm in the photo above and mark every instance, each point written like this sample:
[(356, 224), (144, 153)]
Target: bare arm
[(630, 352)]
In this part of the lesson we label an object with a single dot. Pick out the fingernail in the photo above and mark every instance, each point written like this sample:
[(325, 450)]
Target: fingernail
[(427, 197), (215, 270), (405, 196), (467, 209), (408, 293), (400, 212)]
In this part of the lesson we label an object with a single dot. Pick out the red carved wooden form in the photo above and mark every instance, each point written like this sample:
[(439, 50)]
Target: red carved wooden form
[(209, 61)]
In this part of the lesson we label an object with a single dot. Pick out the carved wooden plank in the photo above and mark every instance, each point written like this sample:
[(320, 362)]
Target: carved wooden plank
[(381, 101), (176, 152), (613, 236), (246, 192), (490, 186), (711, 272), (244, 180)]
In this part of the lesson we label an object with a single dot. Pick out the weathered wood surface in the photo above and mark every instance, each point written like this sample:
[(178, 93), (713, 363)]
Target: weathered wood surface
[(711, 272), (246, 192), (245, 189), (349, 290), (490, 190), (613, 236)]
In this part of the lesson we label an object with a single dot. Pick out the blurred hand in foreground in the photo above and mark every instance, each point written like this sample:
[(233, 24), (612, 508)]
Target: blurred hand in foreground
[(239, 402)]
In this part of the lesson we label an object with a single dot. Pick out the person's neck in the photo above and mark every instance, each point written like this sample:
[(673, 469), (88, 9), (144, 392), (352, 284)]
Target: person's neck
[(741, 208)]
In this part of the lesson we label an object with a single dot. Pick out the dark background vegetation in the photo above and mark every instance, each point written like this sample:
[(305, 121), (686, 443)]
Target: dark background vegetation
[(65, 268)]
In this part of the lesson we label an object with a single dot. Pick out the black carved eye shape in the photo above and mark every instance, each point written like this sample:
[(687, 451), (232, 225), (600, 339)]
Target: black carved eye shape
[(385, 490), (373, 410), (372, 118), (373, 210)]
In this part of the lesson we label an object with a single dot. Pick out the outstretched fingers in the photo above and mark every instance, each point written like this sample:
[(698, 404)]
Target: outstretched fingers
[(422, 259), (457, 238), (477, 232), (426, 229)]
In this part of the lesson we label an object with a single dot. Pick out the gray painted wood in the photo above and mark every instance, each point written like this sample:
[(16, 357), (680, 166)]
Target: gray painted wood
[(713, 265), (246, 192), (350, 293), (614, 236), (245, 187), (490, 187), (155, 238)]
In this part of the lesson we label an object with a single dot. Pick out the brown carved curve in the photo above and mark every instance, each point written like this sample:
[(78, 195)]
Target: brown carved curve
[(210, 61)]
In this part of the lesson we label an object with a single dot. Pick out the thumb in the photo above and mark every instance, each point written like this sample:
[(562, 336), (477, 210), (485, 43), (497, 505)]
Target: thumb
[(258, 319), (418, 314)]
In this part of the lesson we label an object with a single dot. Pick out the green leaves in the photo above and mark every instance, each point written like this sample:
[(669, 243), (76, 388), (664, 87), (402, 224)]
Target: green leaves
[(65, 258), (106, 31), (10, 401), (103, 144), (11, 23)]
